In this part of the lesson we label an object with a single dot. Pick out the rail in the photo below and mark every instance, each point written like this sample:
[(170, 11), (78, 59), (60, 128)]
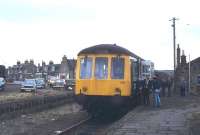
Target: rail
[(69, 129)]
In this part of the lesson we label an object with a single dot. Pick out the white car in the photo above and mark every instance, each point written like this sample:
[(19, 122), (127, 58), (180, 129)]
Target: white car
[(59, 83), (29, 85), (40, 83), (2, 83)]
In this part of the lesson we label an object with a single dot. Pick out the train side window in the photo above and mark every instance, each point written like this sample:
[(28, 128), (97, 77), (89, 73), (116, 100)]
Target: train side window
[(135, 70), (117, 69), (101, 68), (86, 68)]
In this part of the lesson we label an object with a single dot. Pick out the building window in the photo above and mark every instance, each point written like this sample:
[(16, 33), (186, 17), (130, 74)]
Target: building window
[(53, 69)]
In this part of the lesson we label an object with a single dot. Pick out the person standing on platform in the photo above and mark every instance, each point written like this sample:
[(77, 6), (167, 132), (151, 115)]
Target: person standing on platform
[(140, 92), (137, 93), (163, 87), (147, 88), (183, 87), (156, 91), (169, 84)]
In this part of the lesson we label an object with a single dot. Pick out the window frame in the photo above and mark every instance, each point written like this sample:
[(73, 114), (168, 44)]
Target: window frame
[(107, 75), (111, 68), (91, 74)]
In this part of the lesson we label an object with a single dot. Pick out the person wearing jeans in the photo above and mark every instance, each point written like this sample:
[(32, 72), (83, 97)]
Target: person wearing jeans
[(157, 97), (156, 91)]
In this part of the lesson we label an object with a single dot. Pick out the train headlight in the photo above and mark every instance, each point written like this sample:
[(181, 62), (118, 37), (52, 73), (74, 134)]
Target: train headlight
[(117, 91)]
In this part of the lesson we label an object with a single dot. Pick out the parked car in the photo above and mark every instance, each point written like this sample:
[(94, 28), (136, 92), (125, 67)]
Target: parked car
[(40, 83), (59, 83), (2, 83), (28, 85), (69, 84), (51, 82)]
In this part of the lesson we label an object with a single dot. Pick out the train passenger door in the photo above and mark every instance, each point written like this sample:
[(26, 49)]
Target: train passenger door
[(101, 75), (134, 75)]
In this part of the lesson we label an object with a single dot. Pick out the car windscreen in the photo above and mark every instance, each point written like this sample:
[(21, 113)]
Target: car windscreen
[(40, 81), (29, 81)]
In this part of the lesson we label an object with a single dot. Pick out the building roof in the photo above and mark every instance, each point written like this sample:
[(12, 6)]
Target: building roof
[(107, 49), (197, 60)]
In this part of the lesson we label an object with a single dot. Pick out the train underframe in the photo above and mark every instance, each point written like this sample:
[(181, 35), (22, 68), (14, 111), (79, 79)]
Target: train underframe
[(103, 105)]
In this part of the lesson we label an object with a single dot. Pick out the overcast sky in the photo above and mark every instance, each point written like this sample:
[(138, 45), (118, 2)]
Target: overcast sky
[(48, 29)]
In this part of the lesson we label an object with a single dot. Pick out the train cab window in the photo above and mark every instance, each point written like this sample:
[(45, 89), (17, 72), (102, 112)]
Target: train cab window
[(86, 68), (117, 69), (101, 68)]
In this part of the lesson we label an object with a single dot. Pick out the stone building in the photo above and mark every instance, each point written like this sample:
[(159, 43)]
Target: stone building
[(53, 69), (182, 72), (2, 71), (195, 75), (42, 71), (64, 68), (67, 68), (21, 71), (72, 67)]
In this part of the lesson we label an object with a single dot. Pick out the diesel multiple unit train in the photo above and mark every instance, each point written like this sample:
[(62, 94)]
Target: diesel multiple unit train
[(106, 75)]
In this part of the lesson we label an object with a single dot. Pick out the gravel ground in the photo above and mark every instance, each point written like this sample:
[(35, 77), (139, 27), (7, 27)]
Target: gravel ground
[(43, 123)]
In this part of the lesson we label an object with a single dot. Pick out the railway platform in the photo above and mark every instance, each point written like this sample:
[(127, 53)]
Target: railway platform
[(174, 117)]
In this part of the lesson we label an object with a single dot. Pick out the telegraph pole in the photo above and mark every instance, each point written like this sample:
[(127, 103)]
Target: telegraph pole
[(189, 76), (174, 43)]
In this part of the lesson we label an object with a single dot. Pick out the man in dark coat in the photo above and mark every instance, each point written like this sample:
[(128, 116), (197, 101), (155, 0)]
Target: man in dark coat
[(169, 84), (164, 85), (139, 91), (147, 88)]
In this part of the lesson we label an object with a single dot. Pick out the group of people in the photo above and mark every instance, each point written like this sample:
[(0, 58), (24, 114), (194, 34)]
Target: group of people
[(155, 87)]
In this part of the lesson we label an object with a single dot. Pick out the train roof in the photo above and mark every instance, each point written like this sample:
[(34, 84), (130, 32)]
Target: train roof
[(107, 49)]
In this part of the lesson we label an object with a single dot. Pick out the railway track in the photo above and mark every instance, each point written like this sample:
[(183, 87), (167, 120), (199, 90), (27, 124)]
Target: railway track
[(90, 126), (70, 129)]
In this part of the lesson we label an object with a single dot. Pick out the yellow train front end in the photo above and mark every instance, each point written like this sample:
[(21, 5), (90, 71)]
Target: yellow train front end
[(103, 81)]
